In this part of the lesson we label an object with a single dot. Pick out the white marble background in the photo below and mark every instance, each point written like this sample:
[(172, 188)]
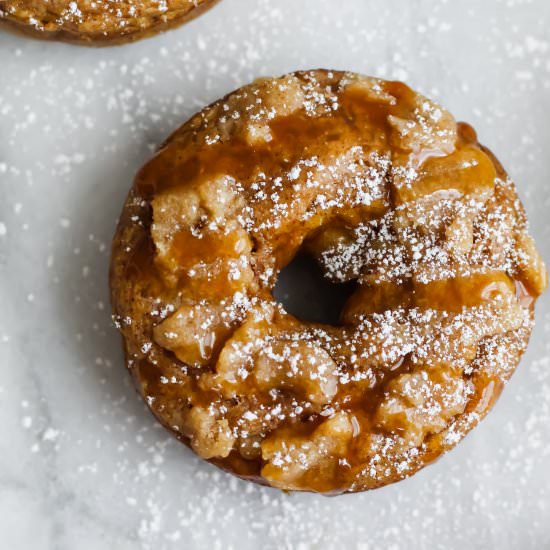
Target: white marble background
[(82, 464)]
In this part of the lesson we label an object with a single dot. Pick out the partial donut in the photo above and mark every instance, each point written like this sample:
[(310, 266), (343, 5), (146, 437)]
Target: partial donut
[(386, 191), (98, 22)]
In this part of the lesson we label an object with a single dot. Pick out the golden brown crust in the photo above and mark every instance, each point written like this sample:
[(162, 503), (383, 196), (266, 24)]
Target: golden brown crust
[(383, 188), (98, 22)]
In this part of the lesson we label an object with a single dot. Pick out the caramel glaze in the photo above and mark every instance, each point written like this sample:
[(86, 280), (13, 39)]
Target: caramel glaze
[(460, 167)]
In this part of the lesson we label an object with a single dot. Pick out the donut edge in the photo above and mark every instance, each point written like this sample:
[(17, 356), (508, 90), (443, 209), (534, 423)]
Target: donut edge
[(116, 38)]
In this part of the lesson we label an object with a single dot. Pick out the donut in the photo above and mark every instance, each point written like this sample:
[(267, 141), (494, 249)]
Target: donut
[(387, 193), (98, 22)]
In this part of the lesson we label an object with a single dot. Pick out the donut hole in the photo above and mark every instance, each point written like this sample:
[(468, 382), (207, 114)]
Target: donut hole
[(306, 293)]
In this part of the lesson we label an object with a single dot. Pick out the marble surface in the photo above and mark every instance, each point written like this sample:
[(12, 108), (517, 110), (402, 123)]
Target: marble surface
[(82, 464)]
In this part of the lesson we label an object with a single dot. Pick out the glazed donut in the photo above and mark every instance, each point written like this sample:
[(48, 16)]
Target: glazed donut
[(388, 193), (98, 22)]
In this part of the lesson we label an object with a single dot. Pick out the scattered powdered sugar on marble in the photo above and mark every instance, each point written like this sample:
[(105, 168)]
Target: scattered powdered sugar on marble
[(109, 476)]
